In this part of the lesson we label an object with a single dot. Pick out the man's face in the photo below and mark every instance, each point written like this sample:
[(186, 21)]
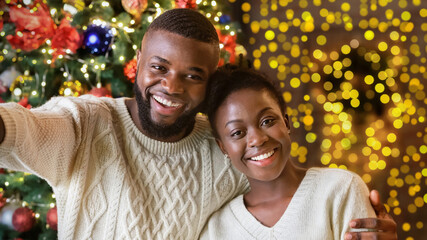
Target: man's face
[(173, 72)]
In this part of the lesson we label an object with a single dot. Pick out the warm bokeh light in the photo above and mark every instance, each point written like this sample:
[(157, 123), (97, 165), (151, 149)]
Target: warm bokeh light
[(359, 69)]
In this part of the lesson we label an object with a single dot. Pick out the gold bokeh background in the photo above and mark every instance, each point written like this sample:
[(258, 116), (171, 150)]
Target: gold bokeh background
[(353, 74)]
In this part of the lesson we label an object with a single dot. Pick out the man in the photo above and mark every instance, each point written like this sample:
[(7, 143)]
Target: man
[(140, 168)]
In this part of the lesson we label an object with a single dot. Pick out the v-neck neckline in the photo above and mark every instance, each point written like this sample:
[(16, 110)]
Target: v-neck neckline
[(250, 223)]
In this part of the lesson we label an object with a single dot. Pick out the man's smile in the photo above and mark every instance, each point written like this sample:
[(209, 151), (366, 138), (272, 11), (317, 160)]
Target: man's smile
[(166, 102)]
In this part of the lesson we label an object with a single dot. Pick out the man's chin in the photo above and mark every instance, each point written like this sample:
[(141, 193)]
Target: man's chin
[(163, 127), (163, 123)]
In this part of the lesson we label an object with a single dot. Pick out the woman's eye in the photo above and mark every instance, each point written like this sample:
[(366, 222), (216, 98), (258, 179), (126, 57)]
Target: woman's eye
[(236, 133), (267, 121)]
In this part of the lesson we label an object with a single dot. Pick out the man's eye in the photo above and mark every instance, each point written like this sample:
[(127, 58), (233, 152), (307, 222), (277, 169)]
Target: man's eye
[(158, 68), (194, 77)]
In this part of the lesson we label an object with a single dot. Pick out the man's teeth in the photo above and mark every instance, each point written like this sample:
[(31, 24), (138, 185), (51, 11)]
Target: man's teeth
[(263, 156), (166, 102)]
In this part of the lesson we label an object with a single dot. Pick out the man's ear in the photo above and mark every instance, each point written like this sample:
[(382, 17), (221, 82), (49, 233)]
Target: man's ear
[(221, 146), (138, 57)]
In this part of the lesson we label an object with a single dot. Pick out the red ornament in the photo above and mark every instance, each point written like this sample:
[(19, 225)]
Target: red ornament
[(100, 92), (52, 218), (66, 37), (34, 27), (130, 70), (186, 4), (23, 219)]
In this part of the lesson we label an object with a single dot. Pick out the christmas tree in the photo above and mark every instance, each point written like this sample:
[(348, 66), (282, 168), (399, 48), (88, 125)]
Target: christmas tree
[(69, 48)]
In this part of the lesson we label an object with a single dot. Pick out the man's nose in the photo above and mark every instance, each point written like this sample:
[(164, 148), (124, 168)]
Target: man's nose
[(173, 84)]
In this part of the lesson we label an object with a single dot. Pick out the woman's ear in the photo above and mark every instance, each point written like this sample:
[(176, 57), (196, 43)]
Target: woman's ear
[(221, 146), (288, 125)]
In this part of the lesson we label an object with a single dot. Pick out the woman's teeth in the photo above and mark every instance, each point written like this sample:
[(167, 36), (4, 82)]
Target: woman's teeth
[(263, 156), (166, 102)]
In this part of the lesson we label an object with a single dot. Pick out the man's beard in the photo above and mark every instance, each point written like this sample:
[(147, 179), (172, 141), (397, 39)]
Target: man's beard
[(183, 123)]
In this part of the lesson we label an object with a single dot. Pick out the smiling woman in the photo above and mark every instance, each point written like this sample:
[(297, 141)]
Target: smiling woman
[(256, 141), (248, 118)]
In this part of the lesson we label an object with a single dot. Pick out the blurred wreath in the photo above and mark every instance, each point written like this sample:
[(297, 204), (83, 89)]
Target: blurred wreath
[(358, 80)]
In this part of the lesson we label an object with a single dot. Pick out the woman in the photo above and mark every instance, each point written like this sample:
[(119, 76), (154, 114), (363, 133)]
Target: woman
[(248, 119)]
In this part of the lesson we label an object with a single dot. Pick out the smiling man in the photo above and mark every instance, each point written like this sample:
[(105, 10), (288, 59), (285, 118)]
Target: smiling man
[(171, 82), (132, 168)]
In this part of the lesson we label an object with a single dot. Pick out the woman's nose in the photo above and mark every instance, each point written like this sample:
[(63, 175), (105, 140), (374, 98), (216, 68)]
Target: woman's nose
[(256, 138)]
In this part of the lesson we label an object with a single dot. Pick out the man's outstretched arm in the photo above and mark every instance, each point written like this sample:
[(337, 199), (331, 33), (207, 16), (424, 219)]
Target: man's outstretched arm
[(2, 130), (384, 225)]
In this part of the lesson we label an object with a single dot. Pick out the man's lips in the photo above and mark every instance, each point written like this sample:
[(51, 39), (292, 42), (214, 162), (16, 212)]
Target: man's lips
[(165, 102)]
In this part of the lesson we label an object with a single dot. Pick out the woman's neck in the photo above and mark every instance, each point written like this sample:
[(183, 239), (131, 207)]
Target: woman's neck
[(267, 201)]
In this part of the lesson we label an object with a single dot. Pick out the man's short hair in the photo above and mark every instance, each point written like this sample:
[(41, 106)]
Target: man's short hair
[(187, 23)]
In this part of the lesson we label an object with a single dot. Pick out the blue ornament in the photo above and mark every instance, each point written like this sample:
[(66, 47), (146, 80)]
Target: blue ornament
[(97, 39), (224, 19)]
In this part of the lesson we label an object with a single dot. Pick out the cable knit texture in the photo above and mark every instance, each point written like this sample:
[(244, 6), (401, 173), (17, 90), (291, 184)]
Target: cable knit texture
[(110, 180), (321, 208)]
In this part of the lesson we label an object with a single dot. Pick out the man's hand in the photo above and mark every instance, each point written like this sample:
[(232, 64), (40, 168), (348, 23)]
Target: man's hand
[(384, 225)]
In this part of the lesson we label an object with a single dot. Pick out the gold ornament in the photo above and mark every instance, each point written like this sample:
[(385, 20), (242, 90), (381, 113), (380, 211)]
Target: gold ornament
[(135, 7), (22, 85), (72, 88), (78, 4)]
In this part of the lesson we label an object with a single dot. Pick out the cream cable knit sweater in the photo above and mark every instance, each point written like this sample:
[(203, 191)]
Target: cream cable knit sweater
[(321, 208), (110, 180)]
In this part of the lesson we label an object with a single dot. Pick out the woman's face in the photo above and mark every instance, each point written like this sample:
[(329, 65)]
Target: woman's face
[(254, 133)]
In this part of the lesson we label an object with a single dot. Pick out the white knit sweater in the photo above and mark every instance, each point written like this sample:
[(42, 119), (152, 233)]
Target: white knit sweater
[(321, 208), (110, 180)]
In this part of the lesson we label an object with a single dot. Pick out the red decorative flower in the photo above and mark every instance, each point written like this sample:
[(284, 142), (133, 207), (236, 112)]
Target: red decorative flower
[(66, 37), (130, 70), (229, 45), (32, 28), (186, 4)]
